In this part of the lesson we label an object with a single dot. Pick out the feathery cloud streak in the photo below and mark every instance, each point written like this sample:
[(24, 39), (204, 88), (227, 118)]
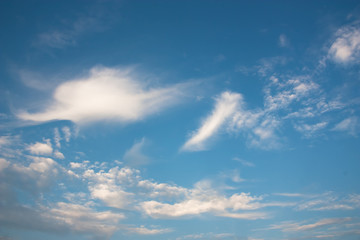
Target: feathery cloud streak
[(225, 106)]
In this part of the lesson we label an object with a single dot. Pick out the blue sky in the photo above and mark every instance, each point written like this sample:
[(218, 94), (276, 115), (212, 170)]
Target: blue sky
[(179, 120)]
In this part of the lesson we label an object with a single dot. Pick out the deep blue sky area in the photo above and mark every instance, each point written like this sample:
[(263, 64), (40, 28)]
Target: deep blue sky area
[(179, 120)]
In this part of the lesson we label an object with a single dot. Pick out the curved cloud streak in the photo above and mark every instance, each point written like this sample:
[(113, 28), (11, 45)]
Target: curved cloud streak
[(226, 105)]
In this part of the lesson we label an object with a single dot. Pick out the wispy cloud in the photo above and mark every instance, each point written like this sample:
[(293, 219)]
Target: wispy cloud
[(210, 235), (283, 41), (134, 156), (294, 226), (350, 125), (69, 31), (329, 201), (244, 162), (264, 67), (142, 230), (260, 126), (309, 130), (225, 106), (106, 94)]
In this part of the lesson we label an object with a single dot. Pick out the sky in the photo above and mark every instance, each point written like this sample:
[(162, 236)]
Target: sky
[(177, 120)]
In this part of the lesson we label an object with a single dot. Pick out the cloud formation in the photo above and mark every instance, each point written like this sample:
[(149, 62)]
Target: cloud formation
[(106, 94), (346, 46), (260, 125), (124, 188), (39, 148)]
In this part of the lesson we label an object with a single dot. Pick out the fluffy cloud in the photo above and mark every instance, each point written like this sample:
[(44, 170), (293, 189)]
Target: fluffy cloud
[(41, 148), (58, 155), (124, 188), (36, 175), (39, 174), (61, 218), (204, 199), (106, 94), (346, 46)]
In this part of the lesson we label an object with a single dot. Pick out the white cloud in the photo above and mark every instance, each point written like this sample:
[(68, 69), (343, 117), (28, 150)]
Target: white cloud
[(81, 165), (58, 155), (203, 199), (83, 219), (283, 41), (349, 125), (161, 190), (106, 94), (309, 130), (287, 92), (142, 230), (61, 218), (259, 126), (123, 188), (346, 46), (110, 186), (41, 170), (34, 176), (225, 107), (134, 156), (41, 148)]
